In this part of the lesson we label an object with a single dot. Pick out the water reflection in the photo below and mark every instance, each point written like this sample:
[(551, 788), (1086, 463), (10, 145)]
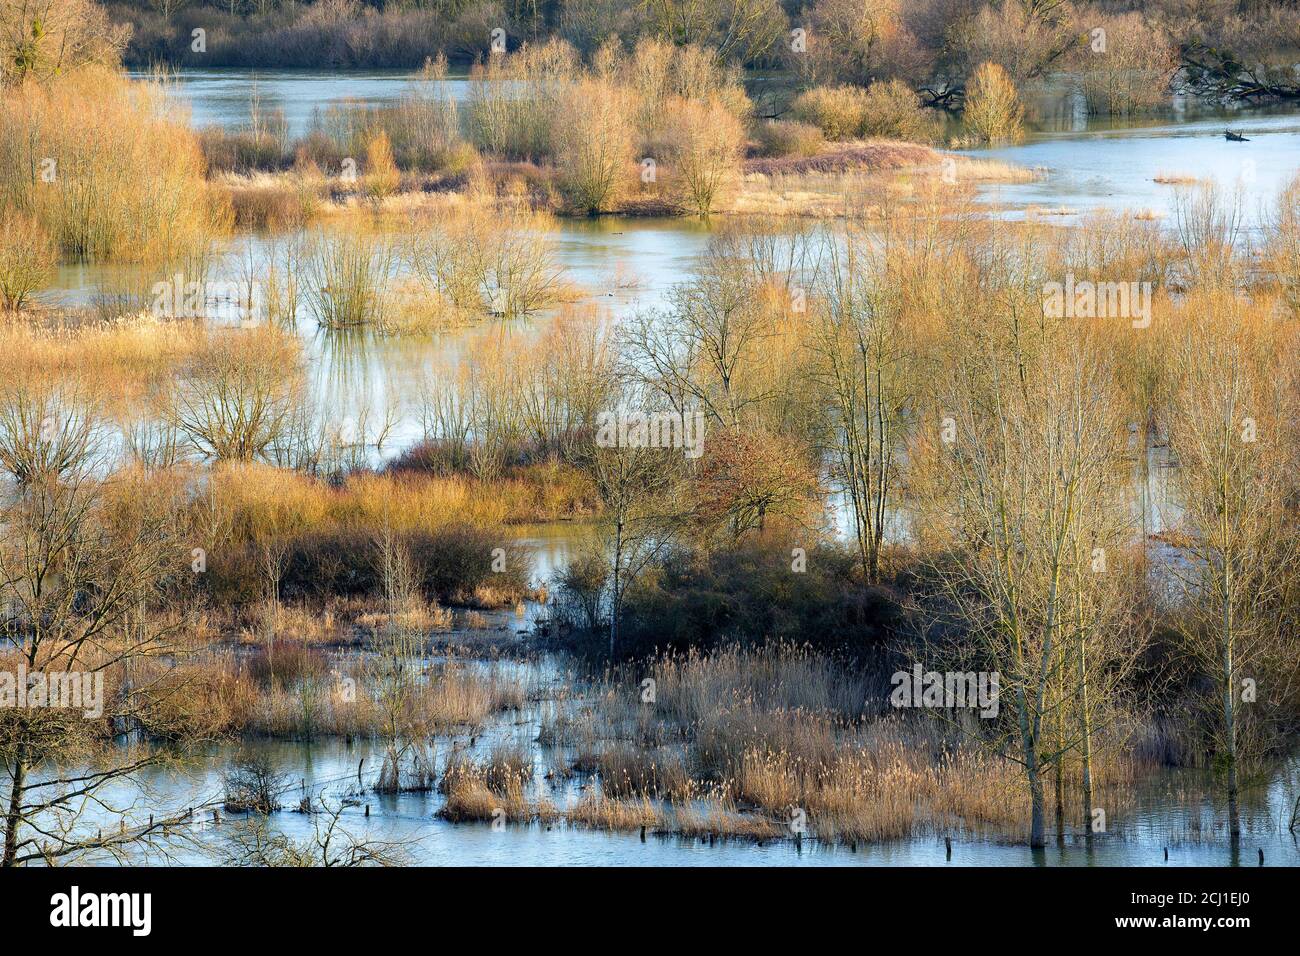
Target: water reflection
[(1172, 809)]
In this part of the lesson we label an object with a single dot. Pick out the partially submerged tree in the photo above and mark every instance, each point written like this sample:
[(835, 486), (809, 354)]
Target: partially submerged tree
[(241, 394), (638, 517), (1027, 448), (993, 111), (395, 674), (331, 844), (1232, 432)]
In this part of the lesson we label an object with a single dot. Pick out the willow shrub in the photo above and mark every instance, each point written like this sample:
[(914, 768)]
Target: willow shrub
[(105, 169)]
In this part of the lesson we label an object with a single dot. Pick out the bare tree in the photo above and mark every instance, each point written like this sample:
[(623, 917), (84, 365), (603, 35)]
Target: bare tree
[(639, 517), (394, 671), (1231, 431), (241, 395), (707, 352), (864, 371), (1026, 448), (42, 38), (331, 844), (78, 578)]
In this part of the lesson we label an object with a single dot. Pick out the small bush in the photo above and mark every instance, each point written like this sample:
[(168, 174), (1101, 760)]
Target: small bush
[(382, 177), (274, 205), (454, 565), (252, 786), (347, 280), (27, 260), (838, 111), (781, 138), (494, 261), (287, 663), (893, 111), (241, 151)]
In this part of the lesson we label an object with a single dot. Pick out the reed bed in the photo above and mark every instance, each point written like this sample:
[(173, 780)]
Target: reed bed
[(748, 743), (598, 812), (496, 789), (287, 689), (137, 351)]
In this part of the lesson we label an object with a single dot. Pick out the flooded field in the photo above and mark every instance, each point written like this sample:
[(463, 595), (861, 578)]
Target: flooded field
[(619, 268)]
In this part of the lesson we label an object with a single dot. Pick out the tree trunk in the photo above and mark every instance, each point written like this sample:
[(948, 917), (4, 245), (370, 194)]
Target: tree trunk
[(1037, 826), (615, 597), (14, 814), (1229, 703), (1058, 771), (1230, 732), (1087, 739), (1029, 746), (1085, 718)]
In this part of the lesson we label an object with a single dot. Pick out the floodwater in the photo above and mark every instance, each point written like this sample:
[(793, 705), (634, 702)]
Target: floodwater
[(619, 266), (231, 97), (626, 265), (1089, 163), (1171, 810)]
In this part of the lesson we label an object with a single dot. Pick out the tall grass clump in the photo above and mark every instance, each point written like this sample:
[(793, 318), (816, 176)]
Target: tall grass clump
[(993, 110), (494, 261), (105, 168), (119, 361), (781, 138), (382, 177), (347, 276)]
